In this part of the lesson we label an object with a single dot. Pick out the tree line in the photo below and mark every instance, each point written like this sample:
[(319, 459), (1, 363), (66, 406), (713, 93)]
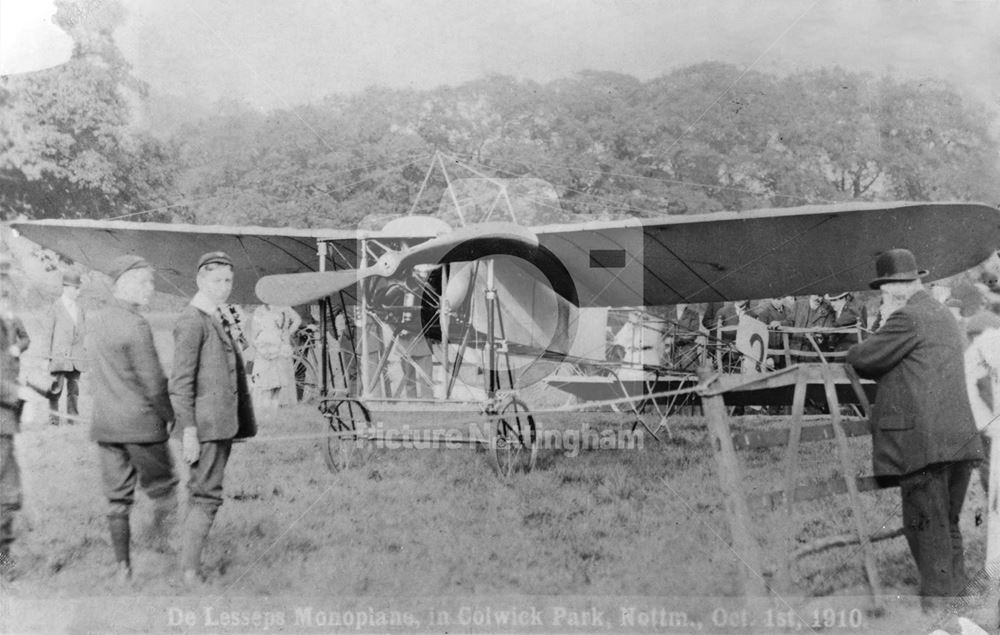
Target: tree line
[(697, 139)]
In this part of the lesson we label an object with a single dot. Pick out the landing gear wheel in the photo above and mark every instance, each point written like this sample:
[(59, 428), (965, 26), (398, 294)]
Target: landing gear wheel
[(345, 445), (514, 445)]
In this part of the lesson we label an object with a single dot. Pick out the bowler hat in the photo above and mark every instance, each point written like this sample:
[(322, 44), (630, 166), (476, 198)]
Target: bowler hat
[(71, 279), (839, 296), (896, 265), (215, 258), (128, 262)]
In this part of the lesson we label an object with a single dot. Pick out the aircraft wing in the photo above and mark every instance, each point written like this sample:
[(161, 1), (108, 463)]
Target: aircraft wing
[(174, 249), (765, 253), (703, 258)]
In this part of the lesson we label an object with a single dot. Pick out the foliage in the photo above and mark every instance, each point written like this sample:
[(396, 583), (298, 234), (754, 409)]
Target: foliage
[(67, 146), (698, 139), (702, 138)]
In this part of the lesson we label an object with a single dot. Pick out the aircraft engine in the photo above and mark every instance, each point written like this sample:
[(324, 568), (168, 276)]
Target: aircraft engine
[(535, 313)]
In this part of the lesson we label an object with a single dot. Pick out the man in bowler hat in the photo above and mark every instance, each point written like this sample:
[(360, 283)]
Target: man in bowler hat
[(132, 414), (211, 399), (64, 336), (923, 432)]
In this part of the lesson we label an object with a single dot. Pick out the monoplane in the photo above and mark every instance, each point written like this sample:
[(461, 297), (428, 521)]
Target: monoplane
[(530, 283)]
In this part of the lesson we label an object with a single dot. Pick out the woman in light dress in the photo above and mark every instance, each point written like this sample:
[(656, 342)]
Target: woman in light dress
[(273, 370)]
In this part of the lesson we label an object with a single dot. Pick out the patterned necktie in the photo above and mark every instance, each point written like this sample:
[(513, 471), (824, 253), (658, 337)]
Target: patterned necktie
[(225, 324)]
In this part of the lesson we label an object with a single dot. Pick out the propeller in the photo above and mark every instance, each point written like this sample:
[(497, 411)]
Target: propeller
[(465, 243)]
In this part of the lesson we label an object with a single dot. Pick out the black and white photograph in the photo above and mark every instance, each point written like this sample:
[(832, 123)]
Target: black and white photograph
[(479, 316)]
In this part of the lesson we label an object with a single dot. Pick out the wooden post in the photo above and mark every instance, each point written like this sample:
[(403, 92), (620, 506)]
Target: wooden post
[(859, 391), (731, 480), (791, 468), (852, 489)]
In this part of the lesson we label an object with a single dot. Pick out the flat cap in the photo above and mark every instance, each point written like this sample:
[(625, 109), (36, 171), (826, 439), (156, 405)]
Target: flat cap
[(128, 262), (215, 258)]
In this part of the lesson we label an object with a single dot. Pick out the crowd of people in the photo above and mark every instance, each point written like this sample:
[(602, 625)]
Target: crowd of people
[(937, 368), (936, 364), (678, 338), (136, 408)]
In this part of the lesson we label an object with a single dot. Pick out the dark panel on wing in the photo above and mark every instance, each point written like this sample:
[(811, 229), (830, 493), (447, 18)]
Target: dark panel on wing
[(607, 258), (174, 250), (799, 251)]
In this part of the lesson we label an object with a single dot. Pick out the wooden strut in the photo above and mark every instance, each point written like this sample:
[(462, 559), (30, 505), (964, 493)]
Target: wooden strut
[(731, 480), (868, 552), (791, 466)]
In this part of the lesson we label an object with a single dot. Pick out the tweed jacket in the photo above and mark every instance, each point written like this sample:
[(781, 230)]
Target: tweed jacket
[(921, 413), (65, 338), (12, 333), (208, 384), (131, 402)]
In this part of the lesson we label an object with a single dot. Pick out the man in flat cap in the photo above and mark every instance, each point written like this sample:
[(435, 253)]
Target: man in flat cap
[(13, 341), (64, 336), (132, 414), (923, 432), (211, 399)]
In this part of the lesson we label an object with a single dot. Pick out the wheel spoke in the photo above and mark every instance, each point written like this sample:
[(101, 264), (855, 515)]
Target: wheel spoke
[(343, 448), (515, 443)]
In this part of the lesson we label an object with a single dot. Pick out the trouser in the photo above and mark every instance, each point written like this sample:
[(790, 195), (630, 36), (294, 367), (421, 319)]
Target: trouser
[(932, 501), (10, 491), (123, 464), (205, 480), (71, 380)]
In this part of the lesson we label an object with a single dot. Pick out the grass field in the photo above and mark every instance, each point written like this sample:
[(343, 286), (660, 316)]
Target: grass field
[(424, 528)]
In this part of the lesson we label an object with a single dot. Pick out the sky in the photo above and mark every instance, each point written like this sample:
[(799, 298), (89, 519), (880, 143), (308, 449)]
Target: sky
[(278, 53)]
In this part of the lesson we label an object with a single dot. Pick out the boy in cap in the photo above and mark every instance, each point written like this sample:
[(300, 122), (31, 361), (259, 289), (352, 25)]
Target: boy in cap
[(13, 341), (923, 433), (211, 399), (132, 414), (64, 336)]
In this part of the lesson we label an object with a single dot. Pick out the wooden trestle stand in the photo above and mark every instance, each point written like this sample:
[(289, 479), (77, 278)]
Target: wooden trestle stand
[(725, 443)]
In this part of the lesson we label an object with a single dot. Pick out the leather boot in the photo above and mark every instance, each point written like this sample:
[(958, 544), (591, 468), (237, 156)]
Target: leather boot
[(7, 571), (121, 536), (196, 527), (164, 519)]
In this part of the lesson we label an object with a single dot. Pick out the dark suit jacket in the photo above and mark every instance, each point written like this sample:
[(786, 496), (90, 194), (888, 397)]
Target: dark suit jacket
[(767, 313), (922, 413), (65, 339), (724, 314), (12, 333), (854, 313), (131, 402), (208, 385)]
